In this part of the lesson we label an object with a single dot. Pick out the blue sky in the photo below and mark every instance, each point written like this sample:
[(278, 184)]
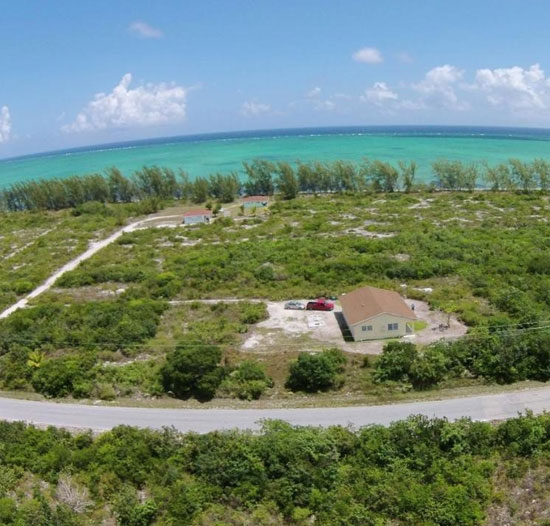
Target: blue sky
[(78, 73)]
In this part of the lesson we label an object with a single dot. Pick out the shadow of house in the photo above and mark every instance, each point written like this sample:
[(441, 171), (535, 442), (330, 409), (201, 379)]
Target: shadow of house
[(343, 326)]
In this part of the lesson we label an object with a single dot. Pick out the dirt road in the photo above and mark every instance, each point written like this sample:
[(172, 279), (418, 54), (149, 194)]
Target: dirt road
[(71, 265)]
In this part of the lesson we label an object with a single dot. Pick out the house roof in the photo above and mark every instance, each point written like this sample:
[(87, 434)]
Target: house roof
[(367, 302), (198, 212), (255, 198)]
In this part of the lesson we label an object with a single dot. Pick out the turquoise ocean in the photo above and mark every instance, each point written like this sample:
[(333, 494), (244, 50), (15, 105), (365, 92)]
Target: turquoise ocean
[(201, 155)]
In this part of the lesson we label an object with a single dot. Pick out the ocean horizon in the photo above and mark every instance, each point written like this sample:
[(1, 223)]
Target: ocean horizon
[(207, 153)]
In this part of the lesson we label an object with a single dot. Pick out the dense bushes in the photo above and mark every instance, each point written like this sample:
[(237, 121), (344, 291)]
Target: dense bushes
[(502, 356), (418, 471), (115, 325), (193, 370), (63, 376), (316, 372), (248, 381), (402, 362)]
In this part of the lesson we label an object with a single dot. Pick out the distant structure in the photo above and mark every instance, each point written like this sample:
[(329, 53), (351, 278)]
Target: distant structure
[(193, 217), (255, 201), (375, 314)]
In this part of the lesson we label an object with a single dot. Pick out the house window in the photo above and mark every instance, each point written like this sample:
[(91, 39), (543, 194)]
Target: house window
[(367, 328), (393, 326)]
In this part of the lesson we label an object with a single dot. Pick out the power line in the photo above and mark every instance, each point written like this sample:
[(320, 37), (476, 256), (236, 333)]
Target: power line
[(191, 344)]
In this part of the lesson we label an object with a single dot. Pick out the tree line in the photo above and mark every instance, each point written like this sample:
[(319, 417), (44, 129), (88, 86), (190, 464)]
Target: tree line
[(420, 471), (268, 178)]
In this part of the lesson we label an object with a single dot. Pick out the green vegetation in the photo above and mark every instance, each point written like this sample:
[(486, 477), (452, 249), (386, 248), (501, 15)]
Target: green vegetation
[(193, 371), (35, 244), (60, 349), (498, 356), (248, 381), (266, 178), (414, 472), (316, 372), (481, 256)]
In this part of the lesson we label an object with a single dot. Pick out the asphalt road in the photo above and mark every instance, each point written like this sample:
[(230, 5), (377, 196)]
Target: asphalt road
[(100, 418)]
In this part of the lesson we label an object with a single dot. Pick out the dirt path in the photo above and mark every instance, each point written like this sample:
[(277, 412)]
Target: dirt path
[(71, 265)]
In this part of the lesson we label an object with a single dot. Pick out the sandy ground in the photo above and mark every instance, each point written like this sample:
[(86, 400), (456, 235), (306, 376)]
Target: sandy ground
[(287, 328)]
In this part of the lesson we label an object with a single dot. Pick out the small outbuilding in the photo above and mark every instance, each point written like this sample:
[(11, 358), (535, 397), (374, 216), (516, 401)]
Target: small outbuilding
[(255, 201), (375, 314), (194, 217)]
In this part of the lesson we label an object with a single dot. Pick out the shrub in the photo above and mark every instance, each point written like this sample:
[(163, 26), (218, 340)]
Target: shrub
[(316, 372), (247, 382), (58, 376), (428, 369), (22, 287), (395, 362), (192, 371), (252, 312)]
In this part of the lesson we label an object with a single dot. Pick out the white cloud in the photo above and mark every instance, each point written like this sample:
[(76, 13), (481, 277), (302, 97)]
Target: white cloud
[(368, 55), (252, 108), (438, 87), (5, 124), (515, 87), (144, 30), (315, 92), (314, 98), (342, 96), (379, 94), (146, 105), (326, 105)]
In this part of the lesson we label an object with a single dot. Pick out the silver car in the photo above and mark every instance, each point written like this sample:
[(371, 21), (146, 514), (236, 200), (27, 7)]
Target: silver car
[(294, 305)]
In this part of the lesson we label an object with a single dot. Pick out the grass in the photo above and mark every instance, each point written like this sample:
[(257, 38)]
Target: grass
[(419, 325), (35, 244)]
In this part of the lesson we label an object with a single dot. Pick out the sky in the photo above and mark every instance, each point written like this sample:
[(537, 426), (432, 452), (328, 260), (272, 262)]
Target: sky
[(80, 73)]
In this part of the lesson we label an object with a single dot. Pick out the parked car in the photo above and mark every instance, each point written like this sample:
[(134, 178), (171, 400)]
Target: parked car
[(320, 304), (294, 305)]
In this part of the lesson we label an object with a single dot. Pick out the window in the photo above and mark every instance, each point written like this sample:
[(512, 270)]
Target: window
[(366, 328), (393, 326)]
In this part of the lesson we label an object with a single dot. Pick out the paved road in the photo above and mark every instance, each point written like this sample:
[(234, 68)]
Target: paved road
[(100, 418)]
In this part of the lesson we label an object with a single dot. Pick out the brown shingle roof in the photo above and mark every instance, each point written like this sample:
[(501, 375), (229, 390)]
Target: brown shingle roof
[(366, 302)]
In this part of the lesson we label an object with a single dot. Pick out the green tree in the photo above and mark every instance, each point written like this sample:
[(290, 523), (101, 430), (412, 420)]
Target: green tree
[(193, 370), (260, 177), (407, 175), (428, 369), (316, 372), (523, 174), (287, 182), (395, 362)]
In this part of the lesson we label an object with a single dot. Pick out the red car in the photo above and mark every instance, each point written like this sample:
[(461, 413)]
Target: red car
[(320, 304)]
